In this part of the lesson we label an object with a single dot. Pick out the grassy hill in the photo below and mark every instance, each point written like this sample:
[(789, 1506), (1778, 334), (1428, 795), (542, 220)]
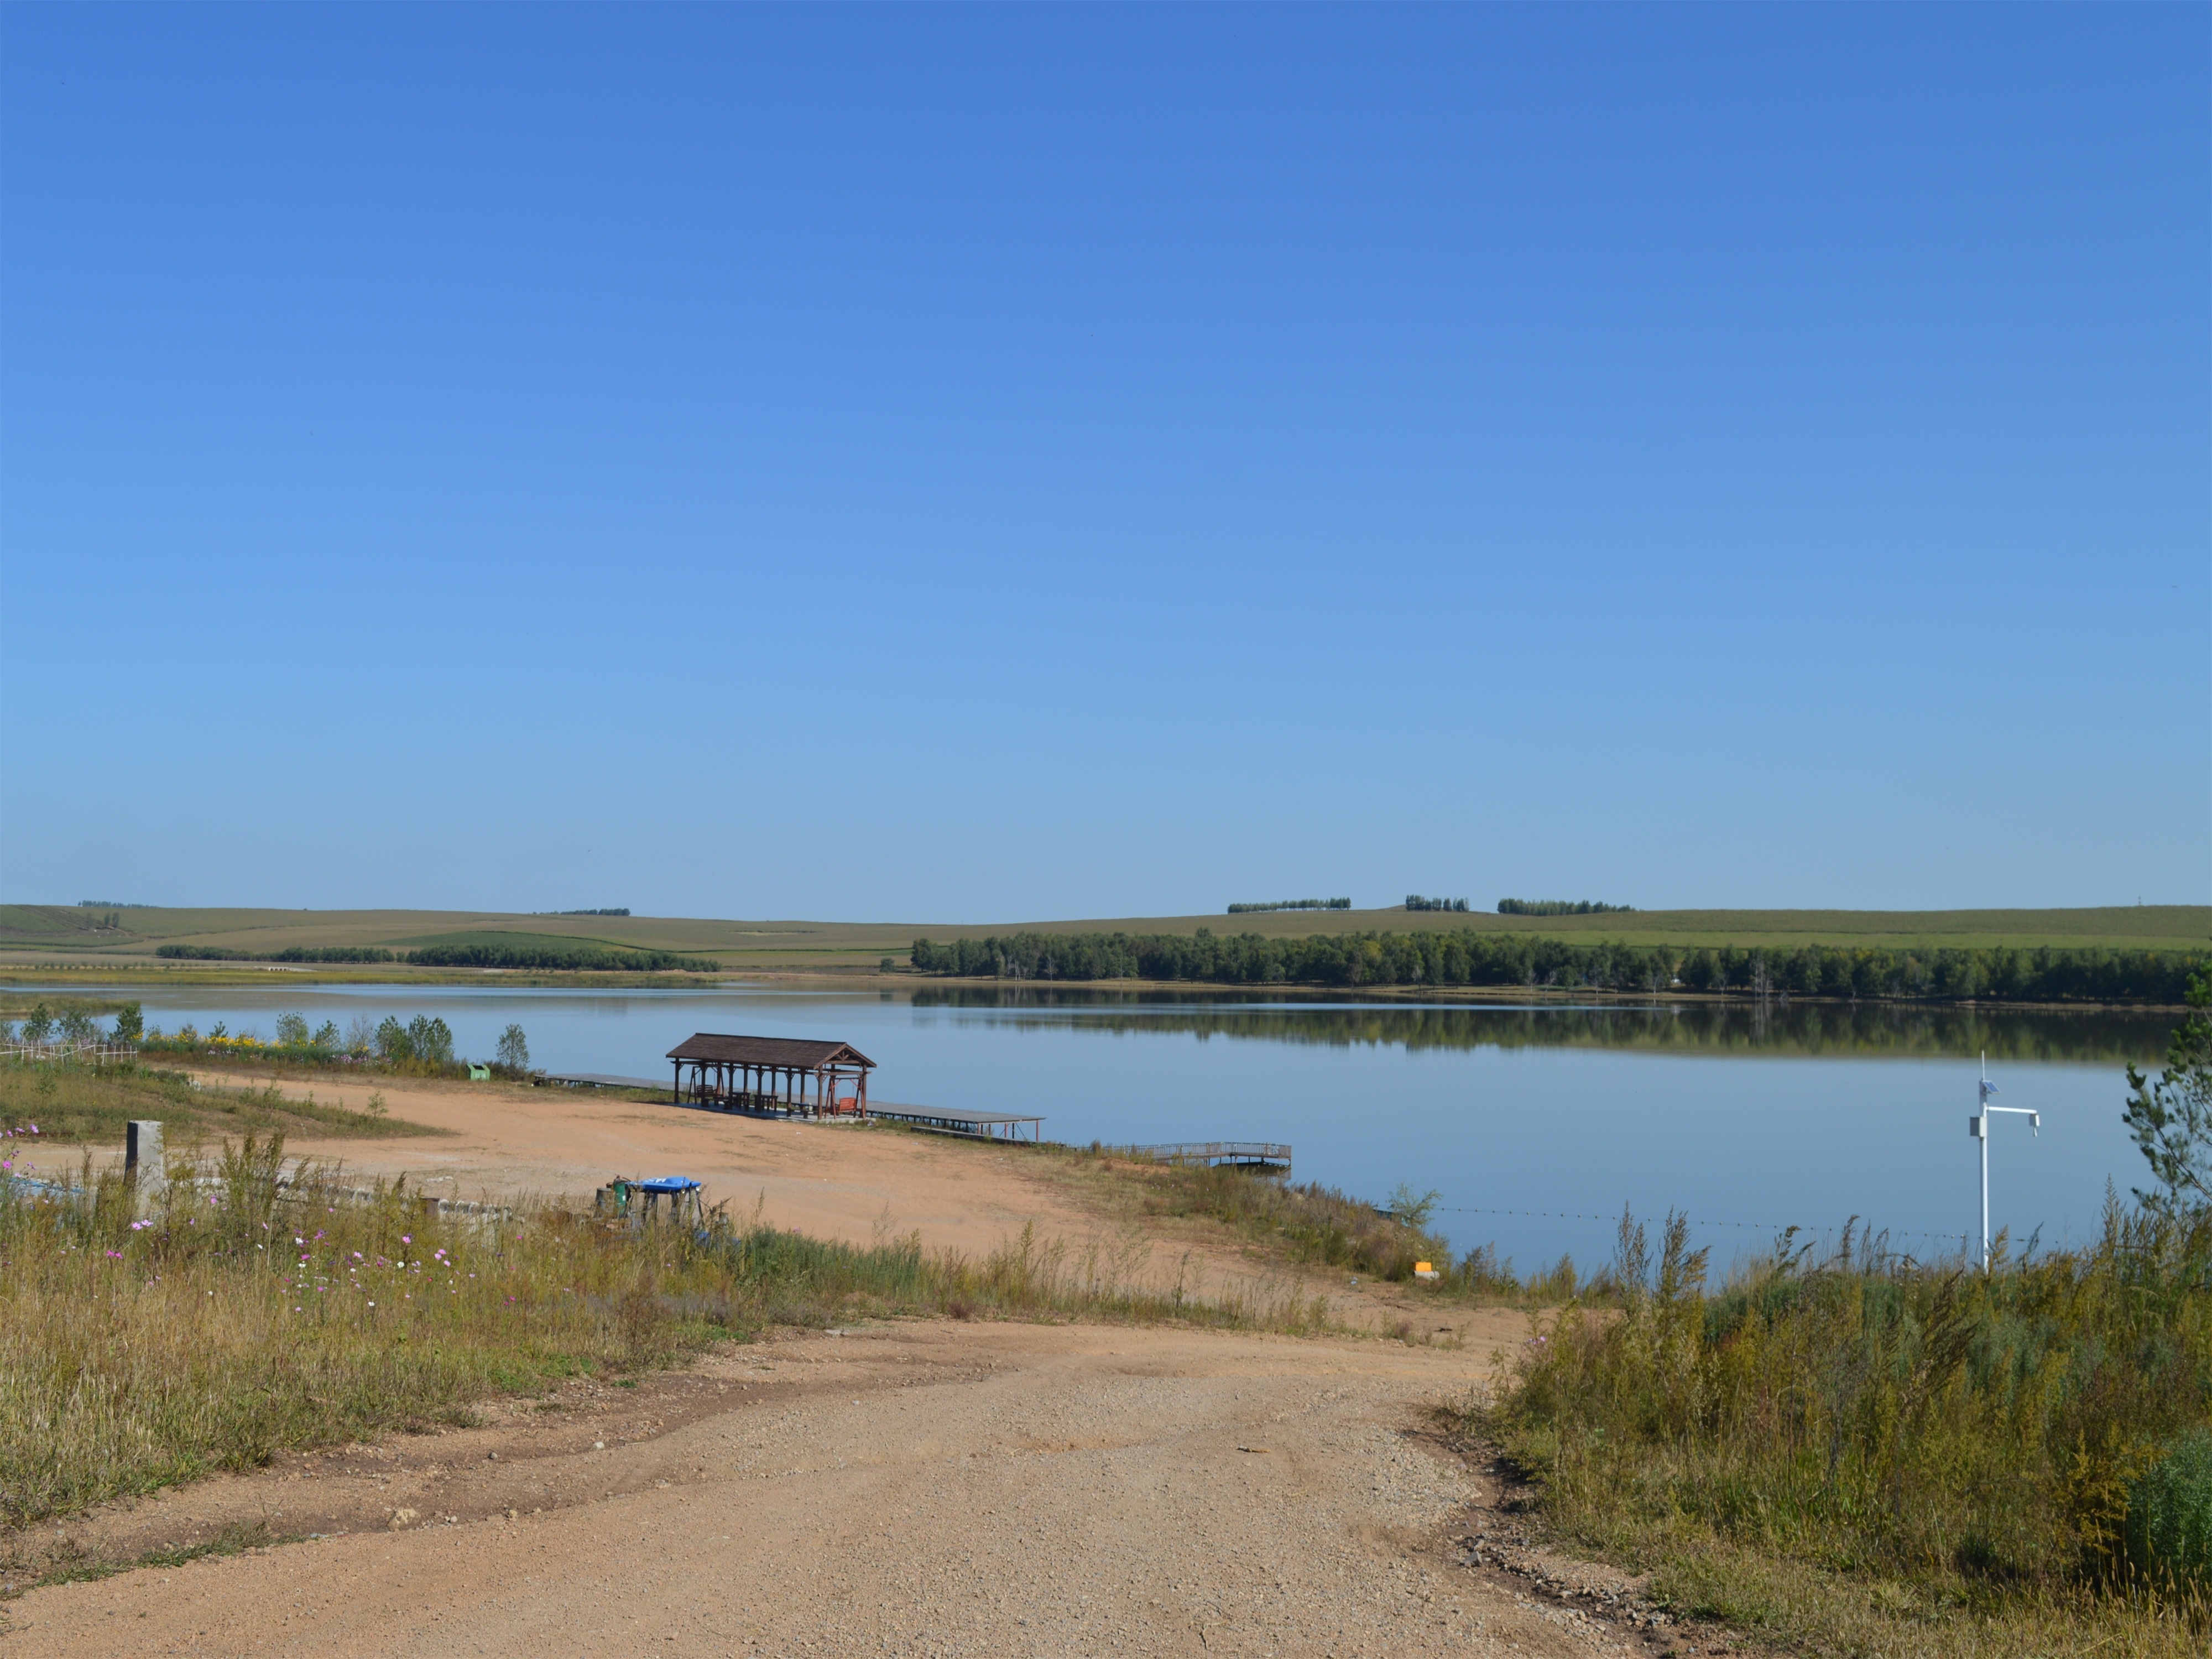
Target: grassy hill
[(36, 935)]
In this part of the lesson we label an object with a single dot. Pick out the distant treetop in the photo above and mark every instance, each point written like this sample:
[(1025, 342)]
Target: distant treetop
[(1292, 904), (1558, 907), (622, 912), (1415, 902)]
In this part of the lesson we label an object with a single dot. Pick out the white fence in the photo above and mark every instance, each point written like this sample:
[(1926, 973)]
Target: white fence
[(93, 1051)]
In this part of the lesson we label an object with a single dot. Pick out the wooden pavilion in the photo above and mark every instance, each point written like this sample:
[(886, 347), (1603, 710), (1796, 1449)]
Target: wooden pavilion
[(787, 1075)]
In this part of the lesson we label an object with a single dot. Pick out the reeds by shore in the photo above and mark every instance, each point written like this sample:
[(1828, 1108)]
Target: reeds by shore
[(1867, 1453)]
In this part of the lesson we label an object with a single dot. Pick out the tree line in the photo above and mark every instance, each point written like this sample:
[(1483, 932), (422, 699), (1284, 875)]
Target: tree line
[(291, 953), (555, 953), (2047, 974), (1415, 902), (1291, 904), (1559, 907)]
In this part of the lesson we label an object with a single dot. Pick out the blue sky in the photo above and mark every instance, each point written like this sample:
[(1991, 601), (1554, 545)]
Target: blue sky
[(989, 464)]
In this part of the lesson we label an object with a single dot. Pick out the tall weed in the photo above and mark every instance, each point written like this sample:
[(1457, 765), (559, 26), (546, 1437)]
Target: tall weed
[(1978, 1438)]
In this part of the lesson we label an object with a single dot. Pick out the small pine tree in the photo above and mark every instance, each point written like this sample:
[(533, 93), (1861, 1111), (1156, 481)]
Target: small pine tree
[(392, 1042), (2170, 1116)]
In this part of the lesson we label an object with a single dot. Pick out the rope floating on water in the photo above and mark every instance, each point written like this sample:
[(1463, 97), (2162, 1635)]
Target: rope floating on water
[(1763, 1226), (1563, 1215)]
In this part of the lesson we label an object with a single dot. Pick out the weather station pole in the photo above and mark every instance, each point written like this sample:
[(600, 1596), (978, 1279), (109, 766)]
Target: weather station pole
[(1978, 1126)]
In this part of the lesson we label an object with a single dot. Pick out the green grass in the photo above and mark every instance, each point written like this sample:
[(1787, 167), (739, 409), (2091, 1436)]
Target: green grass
[(75, 1104), (1870, 1455), (503, 936)]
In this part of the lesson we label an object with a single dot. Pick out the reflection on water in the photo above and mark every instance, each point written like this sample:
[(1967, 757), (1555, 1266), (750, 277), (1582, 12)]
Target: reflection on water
[(1846, 1030)]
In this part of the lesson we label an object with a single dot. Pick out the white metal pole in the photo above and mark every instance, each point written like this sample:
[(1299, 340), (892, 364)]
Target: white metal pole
[(1985, 1188), (1982, 1134), (1978, 1126)]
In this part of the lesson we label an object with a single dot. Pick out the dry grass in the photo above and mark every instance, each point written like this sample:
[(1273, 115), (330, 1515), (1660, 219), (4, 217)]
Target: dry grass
[(1301, 1225), (238, 1315)]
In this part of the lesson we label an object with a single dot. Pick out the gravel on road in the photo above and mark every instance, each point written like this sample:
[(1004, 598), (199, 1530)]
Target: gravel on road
[(923, 1488)]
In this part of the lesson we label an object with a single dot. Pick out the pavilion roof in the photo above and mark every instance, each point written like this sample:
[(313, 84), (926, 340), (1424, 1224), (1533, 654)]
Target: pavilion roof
[(788, 1053)]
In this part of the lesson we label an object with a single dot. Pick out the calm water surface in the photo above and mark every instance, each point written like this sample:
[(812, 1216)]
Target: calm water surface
[(1535, 1125)]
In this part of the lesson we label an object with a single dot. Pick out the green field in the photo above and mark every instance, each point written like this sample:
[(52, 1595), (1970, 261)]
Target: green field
[(35, 936)]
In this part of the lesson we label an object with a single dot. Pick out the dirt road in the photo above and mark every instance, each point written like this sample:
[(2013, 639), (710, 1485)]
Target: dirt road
[(911, 1489)]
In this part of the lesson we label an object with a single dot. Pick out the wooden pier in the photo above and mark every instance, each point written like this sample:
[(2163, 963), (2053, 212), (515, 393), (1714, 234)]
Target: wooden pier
[(600, 1080), (972, 1126)]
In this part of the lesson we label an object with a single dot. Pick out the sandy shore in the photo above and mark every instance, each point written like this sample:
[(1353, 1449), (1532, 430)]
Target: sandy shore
[(842, 1180), (832, 1179)]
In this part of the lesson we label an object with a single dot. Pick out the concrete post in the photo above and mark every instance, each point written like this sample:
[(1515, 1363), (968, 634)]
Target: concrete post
[(143, 1163)]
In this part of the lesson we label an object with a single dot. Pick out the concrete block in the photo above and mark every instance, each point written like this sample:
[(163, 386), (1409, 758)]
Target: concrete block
[(143, 1163)]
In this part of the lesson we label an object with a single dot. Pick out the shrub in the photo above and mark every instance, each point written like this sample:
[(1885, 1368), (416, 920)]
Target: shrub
[(2169, 1528)]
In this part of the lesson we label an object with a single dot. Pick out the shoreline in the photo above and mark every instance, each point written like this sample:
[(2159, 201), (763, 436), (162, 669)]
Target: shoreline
[(245, 975)]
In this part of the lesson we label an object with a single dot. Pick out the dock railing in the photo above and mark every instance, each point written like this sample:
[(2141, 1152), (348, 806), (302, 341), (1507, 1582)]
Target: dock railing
[(1241, 1154)]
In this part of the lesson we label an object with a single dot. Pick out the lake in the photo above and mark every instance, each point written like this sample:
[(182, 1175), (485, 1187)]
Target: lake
[(1535, 1125)]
